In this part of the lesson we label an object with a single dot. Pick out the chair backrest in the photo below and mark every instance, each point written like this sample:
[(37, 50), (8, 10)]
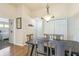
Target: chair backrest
[(46, 36), (58, 37), (29, 37), (54, 36), (51, 36)]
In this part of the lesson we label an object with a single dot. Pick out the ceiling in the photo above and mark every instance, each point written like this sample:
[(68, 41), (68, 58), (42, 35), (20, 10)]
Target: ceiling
[(35, 6), (39, 6), (58, 9)]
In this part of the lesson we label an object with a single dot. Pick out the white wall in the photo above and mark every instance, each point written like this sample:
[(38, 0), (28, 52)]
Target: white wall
[(73, 23), (20, 34), (73, 28)]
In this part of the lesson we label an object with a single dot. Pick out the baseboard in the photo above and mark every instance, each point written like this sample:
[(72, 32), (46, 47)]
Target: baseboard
[(18, 44)]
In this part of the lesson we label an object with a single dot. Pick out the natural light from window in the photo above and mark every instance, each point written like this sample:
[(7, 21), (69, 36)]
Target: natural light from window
[(1, 25), (6, 26)]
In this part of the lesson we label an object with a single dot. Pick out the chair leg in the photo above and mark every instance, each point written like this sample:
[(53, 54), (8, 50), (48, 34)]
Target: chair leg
[(32, 50), (36, 50), (28, 50)]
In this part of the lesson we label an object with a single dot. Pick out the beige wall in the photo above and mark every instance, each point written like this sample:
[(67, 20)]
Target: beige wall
[(7, 11), (73, 9)]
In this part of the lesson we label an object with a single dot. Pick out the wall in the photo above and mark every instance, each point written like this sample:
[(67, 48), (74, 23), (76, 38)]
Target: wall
[(73, 23), (73, 28), (20, 34), (8, 11)]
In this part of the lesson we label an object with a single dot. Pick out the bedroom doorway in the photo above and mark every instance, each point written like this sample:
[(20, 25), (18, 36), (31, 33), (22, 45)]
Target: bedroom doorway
[(4, 33)]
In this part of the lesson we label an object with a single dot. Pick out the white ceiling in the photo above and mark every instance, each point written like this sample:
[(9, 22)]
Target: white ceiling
[(58, 9), (38, 6)]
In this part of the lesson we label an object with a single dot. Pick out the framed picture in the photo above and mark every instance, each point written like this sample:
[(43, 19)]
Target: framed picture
[(19, 23), (30, 25)]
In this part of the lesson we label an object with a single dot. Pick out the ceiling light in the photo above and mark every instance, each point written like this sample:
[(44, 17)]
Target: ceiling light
[(48, 16)]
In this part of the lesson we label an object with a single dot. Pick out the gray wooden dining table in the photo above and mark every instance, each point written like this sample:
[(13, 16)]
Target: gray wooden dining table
[(59, 45)]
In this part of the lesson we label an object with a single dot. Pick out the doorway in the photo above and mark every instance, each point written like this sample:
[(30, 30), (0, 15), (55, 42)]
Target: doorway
[(4, 33)]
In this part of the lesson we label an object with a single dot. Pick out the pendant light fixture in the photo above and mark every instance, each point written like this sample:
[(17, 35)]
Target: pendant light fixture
[(48, 16)]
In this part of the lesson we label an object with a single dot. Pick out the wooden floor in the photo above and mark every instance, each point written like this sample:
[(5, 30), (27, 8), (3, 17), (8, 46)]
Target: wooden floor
[(15, 50), (18, 50)]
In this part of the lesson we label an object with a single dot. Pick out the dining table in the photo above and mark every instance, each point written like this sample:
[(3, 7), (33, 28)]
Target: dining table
[(62, 47)]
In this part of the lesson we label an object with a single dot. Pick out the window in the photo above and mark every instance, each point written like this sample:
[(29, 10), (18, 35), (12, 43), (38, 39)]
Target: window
[(1, 25), (6, 26)]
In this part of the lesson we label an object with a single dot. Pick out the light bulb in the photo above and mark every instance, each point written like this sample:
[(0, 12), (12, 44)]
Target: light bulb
[(47, 17)]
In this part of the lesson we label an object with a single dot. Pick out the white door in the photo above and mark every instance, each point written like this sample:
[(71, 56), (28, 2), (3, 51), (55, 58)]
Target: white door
[(11, 30)]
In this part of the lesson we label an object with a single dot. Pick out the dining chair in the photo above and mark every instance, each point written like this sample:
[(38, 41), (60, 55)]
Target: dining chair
[(43, 46), (58, 37), (29, 37), (40, 48)]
